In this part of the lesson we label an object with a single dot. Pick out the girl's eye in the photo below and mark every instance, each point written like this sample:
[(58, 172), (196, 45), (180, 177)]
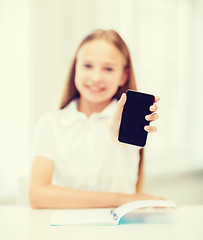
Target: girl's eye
[(109, 69), (87, 65)]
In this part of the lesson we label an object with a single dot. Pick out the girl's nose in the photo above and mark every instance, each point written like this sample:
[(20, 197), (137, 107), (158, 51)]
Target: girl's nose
[(96, 75)]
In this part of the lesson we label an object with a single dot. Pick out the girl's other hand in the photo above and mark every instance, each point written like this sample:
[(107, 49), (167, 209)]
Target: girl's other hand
[(125, 198), (146, 196)]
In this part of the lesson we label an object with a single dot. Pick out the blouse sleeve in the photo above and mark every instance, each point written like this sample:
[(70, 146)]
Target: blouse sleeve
[(43, 144)]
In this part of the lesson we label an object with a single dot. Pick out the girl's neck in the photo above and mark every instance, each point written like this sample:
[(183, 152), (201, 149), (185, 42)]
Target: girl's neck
[(88, 108)]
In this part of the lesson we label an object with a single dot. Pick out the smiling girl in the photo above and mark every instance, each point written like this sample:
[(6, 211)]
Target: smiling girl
[(76, 162)]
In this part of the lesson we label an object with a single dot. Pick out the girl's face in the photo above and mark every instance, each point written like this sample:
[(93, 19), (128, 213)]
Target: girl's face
[(100, 70)]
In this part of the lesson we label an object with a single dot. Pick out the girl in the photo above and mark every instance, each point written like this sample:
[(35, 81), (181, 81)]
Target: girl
[(76, 162)]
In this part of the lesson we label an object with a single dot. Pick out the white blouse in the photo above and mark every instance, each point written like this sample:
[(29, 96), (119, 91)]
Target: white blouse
[(83, 153)]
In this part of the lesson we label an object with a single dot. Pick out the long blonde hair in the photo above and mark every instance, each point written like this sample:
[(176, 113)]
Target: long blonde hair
[(70, 91)]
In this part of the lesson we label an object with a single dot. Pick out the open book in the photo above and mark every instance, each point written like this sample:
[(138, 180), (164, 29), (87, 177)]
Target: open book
[(104, 216)]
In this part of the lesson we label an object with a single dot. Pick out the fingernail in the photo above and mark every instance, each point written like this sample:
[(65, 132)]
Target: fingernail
[(148, 117), (121, 97), (146, 128)]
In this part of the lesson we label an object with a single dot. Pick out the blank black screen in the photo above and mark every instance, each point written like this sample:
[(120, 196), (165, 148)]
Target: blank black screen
[(133, 118)]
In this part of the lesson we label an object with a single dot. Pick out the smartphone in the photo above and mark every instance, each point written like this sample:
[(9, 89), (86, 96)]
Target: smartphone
[(133, 118)]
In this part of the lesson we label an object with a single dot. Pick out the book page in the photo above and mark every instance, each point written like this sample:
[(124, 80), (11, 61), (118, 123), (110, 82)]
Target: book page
[(95, 216), (102, 216), (153, 216), (128, 207)]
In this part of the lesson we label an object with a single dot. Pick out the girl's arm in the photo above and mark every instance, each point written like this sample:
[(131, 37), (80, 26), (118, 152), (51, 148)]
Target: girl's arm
[(42, 194), (141, 177)]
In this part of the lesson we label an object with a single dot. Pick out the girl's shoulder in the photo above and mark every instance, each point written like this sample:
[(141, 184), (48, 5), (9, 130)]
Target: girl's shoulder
[(58, 116)]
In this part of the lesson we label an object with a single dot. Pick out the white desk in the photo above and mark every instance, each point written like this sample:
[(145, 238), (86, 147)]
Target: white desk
[(22, 222)]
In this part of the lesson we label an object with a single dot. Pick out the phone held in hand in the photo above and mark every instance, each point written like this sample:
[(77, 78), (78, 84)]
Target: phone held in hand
[(133, 118)]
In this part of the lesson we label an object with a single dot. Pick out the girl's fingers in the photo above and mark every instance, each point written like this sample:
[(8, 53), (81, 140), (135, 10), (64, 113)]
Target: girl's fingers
[(157, 98), (152, 117), (150, 129), (153, 108)]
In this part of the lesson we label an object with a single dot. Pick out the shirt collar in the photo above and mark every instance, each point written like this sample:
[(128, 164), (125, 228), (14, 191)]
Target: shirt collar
[(70, 113)]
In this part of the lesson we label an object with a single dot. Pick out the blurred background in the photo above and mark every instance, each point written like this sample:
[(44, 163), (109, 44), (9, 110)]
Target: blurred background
[(37, 41)]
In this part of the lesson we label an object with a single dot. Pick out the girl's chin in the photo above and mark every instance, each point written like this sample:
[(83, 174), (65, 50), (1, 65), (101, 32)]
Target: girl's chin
[(96, 99)]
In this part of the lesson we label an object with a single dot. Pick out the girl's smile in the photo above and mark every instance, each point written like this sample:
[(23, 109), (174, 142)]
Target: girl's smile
[(94, 89)]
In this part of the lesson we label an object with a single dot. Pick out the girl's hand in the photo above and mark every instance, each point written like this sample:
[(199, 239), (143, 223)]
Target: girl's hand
[(125, 198), (116, 120)]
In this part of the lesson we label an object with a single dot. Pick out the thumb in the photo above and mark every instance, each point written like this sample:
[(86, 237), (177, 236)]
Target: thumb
[(116, 119), (120, 106)]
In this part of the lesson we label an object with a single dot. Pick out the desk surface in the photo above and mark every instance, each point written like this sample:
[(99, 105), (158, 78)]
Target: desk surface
[(22, 222)]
